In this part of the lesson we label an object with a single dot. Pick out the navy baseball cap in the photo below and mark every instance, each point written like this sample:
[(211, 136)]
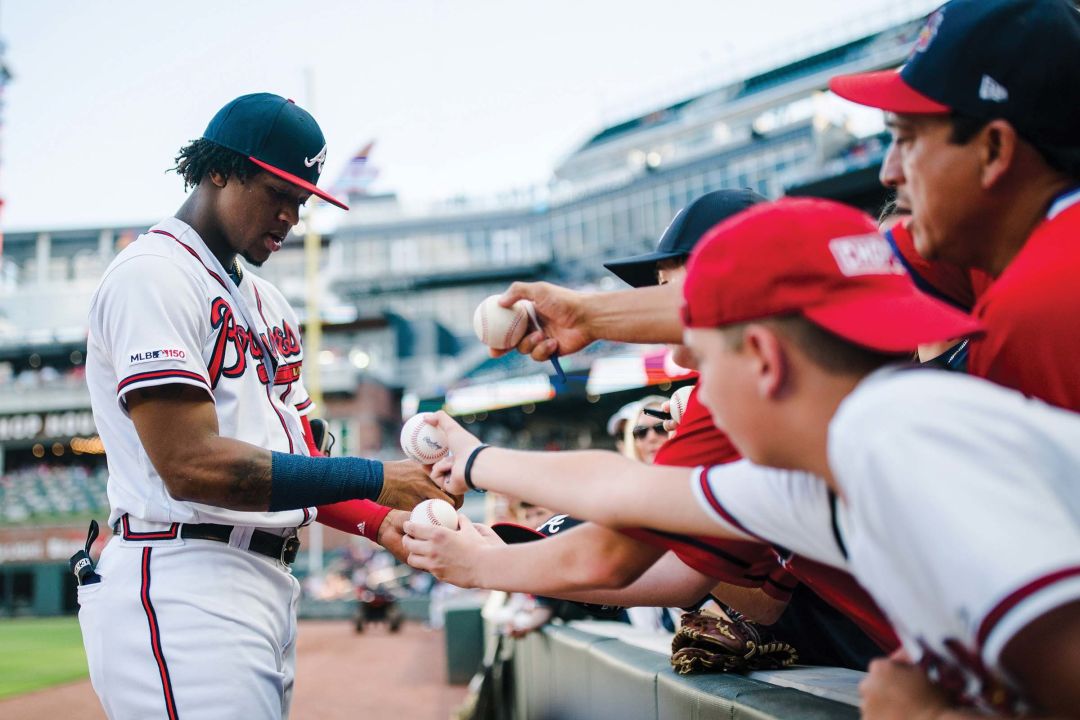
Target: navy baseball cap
[(512, 533), (277, 135), (987, 59), (683, 233)]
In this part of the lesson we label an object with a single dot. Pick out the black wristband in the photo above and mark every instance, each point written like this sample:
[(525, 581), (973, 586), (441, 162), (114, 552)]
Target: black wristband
[(468, 468)]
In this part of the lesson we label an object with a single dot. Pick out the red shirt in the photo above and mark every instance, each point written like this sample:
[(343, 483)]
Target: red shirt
[(960, 287), (747, 564), (1030, 313)]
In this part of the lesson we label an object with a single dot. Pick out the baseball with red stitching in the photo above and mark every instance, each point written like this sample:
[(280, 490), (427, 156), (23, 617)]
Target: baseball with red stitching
[(435, 512), (498, 327), (679, 399), (424, 443)]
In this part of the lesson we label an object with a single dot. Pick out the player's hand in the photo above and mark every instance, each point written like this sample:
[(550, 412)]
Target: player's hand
[(897, 690), (391, 533), (452, 556), (562, 313), (406, 484), (449, 472)]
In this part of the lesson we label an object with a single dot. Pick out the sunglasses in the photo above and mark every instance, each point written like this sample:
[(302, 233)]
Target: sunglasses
[(640, 431)]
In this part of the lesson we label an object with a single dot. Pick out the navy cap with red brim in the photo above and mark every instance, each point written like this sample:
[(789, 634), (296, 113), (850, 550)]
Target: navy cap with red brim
[(299, 182), (277, 135), (885, 90)]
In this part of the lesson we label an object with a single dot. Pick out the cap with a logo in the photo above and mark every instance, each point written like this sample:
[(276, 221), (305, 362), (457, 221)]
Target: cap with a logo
[(683, 233), (513, 533), (819, 259), (986, 59), (277, 135)]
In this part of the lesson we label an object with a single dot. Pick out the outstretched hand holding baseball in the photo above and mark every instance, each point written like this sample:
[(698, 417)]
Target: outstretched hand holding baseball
[(453, 556), (560, 311), (449, 472)]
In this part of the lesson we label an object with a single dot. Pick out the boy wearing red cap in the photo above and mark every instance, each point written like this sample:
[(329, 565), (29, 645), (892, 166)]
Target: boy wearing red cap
[(796, 312)]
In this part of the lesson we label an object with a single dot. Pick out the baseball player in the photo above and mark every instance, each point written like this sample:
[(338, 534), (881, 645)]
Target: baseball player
[(796, 312), (986, 158), (194, 368)]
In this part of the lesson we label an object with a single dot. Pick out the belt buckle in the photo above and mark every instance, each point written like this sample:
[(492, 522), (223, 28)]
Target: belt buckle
[(289, 549)]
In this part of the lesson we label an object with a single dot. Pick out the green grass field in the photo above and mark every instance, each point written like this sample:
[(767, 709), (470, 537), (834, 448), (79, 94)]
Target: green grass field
[(36, 653)]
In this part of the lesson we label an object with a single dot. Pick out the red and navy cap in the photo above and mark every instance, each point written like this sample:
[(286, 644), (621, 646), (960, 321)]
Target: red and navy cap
[(987, 59), (277, 135), (819, 259)]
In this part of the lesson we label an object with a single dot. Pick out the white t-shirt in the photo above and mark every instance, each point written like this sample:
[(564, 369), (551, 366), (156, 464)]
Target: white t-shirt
[(961, 514), (164, 314)]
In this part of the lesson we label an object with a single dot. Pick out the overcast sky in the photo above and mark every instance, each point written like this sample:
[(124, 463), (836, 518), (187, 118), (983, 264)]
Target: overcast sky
[(462, 97)]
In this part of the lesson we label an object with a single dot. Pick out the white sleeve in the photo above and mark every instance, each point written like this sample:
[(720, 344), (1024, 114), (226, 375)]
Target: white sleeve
[(152, 318), (965, 501), (787, 509), (300, 398)]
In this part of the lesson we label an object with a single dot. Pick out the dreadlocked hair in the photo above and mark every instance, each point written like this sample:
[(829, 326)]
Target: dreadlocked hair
[(202, 156)]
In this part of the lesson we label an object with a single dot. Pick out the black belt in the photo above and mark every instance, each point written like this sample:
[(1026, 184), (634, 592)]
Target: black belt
[(274, 546)]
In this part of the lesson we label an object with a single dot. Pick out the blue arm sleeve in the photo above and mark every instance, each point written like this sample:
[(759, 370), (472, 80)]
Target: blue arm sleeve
[(298, 481)]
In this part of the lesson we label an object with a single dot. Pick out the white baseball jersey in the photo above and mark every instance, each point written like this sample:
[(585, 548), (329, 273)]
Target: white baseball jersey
[(166, 313), (960, 515)]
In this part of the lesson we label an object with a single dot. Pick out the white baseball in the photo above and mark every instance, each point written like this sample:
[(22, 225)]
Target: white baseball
[(435, 512), (498, 327), (679, 399), (424, 443)]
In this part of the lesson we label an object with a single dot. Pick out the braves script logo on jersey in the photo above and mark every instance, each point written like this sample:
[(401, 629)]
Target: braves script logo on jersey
[(235, 344), (320, 158), (163, 354)]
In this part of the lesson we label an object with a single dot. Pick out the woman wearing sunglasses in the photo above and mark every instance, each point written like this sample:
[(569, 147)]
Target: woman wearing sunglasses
[(643, 437)]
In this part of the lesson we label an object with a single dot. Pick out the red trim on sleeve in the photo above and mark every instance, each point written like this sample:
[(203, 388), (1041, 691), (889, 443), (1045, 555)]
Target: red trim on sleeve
[(714, 502), (780, 584), (1017, 596), (158, 375)]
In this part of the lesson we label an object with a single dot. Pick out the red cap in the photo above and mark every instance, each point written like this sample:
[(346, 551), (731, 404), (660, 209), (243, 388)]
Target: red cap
[(887, 91), (822, 260)]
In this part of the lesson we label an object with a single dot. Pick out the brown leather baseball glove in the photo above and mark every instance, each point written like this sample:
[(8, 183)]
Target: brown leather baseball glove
[(707, 642)]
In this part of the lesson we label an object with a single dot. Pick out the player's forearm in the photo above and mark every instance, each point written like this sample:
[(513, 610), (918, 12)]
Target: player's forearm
[(641, 315), (219, 471), (233, 474)]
